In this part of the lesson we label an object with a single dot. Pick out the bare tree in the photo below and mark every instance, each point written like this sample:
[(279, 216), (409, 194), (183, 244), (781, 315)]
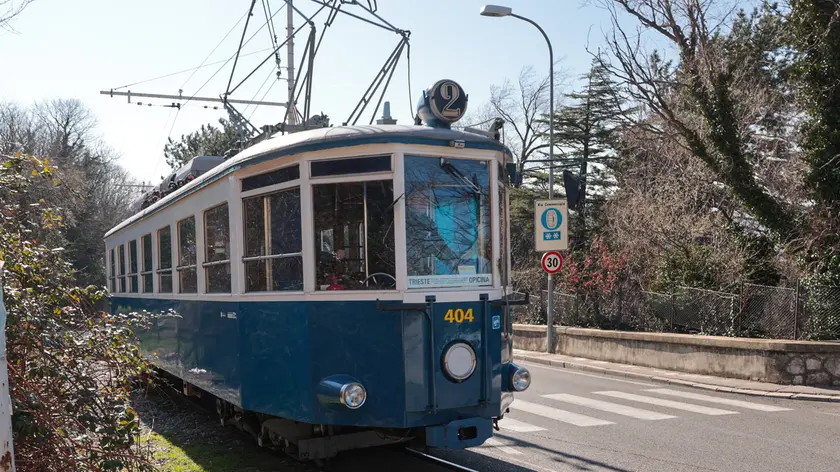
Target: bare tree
[(524, 105), (716, 97), (9, 9)]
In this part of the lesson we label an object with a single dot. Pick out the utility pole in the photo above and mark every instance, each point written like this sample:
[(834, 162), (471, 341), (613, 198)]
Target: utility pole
[(291, 111)]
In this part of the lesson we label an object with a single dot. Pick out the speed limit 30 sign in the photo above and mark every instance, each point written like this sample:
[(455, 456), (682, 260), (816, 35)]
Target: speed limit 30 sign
[(552, 262)]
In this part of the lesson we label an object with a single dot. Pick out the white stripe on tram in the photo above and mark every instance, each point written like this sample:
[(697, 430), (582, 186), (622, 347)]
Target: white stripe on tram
[(609, 407), (511, 424), (493, 442), (558, 415), (703, 410), (722, 401)]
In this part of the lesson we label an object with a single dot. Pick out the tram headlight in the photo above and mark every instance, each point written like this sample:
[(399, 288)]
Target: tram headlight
[(520, 379), (459, 361), (353, 395)]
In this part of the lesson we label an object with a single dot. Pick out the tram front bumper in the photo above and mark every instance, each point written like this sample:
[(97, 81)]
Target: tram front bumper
[(460, 434)]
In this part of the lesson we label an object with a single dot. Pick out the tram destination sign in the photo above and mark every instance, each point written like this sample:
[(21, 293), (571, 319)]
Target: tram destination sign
[(551, 225), (442, 281)]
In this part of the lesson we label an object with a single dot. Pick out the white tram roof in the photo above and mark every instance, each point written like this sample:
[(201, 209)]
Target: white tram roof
[(280, 145)]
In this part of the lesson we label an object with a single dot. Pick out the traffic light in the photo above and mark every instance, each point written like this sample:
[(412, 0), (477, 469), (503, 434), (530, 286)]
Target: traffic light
[(571, 183)]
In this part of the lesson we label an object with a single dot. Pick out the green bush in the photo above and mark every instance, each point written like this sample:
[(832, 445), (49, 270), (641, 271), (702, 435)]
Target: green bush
[(71, 367)]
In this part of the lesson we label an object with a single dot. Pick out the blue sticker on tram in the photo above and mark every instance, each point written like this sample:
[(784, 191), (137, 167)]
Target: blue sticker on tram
[(497, 322)]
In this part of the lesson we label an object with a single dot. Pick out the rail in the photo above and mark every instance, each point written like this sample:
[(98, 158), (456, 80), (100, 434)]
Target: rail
[(438, 460)]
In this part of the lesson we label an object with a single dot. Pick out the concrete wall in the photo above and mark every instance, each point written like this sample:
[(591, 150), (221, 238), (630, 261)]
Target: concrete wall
[(777, 361)]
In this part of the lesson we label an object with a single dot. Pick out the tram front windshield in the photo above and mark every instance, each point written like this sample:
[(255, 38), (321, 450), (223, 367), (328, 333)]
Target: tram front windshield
[(447, 222)]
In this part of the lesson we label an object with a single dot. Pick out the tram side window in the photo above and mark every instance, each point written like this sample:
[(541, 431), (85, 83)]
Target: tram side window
[(165, 260), (112, 273), (354, 236), (122, 268), (146, 271), (132, 266), (187, 277), (217, 249), (273, 243)]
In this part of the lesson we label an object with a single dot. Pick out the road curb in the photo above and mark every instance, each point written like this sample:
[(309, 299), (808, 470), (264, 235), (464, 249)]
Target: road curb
[(668, 380)]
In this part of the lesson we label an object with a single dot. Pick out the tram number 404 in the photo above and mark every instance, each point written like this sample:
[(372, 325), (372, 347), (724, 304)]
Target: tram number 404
[(459, 315)]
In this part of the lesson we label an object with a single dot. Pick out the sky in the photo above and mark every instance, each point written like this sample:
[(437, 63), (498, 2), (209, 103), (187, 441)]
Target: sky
[(76, 48)]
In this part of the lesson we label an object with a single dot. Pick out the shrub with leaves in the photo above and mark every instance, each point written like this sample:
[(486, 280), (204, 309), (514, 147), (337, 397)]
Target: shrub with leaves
[(71, 367), (594, 276)]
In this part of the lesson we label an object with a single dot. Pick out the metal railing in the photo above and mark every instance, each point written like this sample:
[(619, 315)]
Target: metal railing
[(804, 312)]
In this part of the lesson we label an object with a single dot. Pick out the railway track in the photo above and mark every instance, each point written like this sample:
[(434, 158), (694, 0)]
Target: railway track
[(406, 459), (438, 460)]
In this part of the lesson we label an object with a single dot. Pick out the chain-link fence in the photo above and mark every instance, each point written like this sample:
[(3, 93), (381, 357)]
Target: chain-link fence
[(808, 313)]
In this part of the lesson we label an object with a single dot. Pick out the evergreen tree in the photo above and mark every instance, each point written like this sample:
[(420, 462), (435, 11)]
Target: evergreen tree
[(816, 37), (586, 130), (207, 141)]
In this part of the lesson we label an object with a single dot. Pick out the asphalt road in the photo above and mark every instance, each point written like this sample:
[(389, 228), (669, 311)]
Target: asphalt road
[(578, 421)]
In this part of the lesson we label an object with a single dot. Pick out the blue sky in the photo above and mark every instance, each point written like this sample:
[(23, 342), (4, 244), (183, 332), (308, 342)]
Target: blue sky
[(74, 49)]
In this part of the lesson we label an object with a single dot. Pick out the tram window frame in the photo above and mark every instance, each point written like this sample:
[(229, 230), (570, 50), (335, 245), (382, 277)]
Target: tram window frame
[(121, 253), (146, 270), (275, 258), (133, 267), (355, 165), (271, 178), (112, 271), (217, 273), (187, 273), (419, 181), (344, 260), (164, 270)]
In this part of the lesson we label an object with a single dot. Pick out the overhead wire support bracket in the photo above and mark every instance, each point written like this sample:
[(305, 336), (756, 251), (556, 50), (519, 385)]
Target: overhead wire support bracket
[(385, 27), (129, 94), (403, 43), (239, 49), (377, 81), (308, 21)]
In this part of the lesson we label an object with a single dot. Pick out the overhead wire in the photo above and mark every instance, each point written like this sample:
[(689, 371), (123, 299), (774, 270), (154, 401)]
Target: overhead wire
[(188, 70), (262, 98), (162, 151), (270, 74), (214, 49)]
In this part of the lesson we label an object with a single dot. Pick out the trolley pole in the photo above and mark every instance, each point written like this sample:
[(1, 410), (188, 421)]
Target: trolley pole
[(500, 11)]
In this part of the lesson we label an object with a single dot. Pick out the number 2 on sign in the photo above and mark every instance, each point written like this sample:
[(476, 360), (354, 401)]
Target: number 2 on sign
[(459, 315)]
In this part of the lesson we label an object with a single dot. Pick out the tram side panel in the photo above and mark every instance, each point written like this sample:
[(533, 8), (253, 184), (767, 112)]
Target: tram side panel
[(275, 359)]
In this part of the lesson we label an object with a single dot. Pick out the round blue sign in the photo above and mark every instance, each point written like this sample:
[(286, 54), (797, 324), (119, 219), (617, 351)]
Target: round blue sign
[(448, 101), (551, 219)]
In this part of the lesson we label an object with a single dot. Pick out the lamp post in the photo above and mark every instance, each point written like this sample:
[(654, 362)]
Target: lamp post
[(500, 11)]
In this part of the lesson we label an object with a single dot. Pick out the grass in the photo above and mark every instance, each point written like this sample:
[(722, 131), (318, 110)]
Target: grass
[(172, 457), (185, 439)]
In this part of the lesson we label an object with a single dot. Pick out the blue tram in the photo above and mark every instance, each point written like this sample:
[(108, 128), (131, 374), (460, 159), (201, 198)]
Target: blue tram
[(336, 288)]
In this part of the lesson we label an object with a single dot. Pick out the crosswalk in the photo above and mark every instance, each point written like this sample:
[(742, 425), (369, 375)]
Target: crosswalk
[(545, 413), (607, 407)]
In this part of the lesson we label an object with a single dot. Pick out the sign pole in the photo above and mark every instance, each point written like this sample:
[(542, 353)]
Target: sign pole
[(551, 234)]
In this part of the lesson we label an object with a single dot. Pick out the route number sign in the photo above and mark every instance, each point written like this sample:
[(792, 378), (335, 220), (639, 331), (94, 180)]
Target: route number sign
[(551, 225), (552, 262)]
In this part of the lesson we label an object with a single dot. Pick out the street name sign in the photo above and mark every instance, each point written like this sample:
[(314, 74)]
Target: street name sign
[(551, 225)]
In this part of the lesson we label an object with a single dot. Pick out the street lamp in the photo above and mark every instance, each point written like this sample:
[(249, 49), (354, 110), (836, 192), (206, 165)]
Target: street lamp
[(500, 11)]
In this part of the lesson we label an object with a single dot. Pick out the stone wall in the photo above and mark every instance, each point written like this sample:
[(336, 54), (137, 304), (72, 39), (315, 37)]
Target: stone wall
[(765, 360), (808, 369)]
